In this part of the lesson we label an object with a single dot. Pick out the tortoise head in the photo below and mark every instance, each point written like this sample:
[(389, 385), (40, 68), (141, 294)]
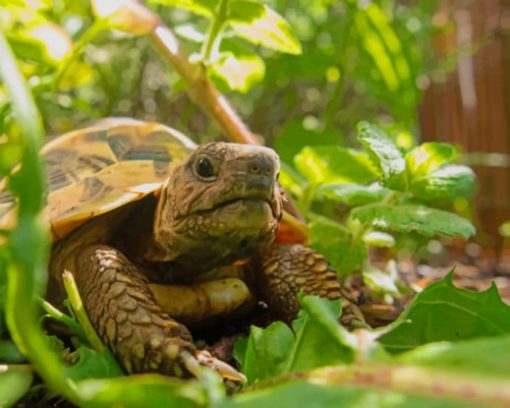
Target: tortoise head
[(222, 204)]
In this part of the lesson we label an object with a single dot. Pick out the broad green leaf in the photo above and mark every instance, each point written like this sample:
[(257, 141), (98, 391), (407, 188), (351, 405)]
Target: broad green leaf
[(486, 355), (294, 136), (332, 240), (334, 164), (504, 229), (265, 351), (238, 68), (291, 180), (201, 7), (262, 25), (352, 194), (146, 390), (14, 383), (278, 350), (317, 328), (429, 157), (317, 395), (93, 364), (385, 154), (408, 218), (442, 312), (447, 182)]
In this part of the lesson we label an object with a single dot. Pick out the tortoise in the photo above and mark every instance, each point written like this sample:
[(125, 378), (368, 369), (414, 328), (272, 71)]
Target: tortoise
[(162, 235)]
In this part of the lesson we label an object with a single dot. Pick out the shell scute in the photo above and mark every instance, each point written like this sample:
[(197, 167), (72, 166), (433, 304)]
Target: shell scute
[(94, 170)]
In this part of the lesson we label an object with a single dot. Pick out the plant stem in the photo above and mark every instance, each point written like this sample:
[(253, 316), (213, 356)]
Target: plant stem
[(56, 314), (79, 310), (213, 39), (97, 26), (26, 273), (200, 88), (413, 380)]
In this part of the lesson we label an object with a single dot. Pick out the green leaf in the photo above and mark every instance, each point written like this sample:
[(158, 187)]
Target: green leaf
[(385, 154), (429, 157), (201, 7), (379, 239), (379, 281), (352, 194), (14, 383), (442, 312), (407, 218), (334, 164), (93, 364), (337, 245), (147, 390), (317, 395), (266, 351), (262, 25), (447, 182), (294, 136), (278, 350), (487, 356), (238, 68)]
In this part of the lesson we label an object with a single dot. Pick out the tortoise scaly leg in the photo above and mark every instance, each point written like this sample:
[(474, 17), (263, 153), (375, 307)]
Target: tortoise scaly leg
[(126, 316), (287, 269)]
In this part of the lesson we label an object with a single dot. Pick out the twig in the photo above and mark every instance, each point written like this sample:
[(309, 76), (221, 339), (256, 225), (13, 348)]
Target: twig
[(200, 88)]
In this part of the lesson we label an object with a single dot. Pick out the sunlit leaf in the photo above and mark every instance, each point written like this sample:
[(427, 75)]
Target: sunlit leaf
[(443, 312), (449, 181), (352, 194), (484, 355), (126, 15), (262, 25), (334, 164), (14, 383), (407, 218), (201, 7), (148, 390), (56, 42), (429, 157), (385, 155), (338, 246), (278, 350), (379, 281), (379, 239), (237, 67)]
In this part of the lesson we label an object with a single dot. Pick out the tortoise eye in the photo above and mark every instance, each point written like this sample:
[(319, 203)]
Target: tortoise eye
[(205, 169)]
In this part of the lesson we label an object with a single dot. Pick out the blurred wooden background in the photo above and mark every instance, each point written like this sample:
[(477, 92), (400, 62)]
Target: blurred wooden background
[(470, 106)]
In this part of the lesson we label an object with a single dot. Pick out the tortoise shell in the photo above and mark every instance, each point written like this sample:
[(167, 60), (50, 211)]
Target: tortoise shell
[(94, 170)]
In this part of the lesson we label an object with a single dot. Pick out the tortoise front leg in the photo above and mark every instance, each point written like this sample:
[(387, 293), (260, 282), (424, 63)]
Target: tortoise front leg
[(126, 316), (285, 269)]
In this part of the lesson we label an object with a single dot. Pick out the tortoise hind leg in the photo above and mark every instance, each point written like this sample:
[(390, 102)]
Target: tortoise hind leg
[(126, 316), (284, 270)]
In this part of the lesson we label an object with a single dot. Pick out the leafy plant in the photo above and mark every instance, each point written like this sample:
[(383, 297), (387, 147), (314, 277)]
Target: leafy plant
[(310, 69), (384, 192)]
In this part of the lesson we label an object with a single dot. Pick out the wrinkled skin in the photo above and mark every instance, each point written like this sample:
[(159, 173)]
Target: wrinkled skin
[(133, 265)]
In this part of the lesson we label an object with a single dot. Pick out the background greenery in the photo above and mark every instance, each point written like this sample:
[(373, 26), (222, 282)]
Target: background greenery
[(334, 86)]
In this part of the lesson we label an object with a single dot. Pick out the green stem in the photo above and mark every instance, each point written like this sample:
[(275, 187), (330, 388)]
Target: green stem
[(213, 39), (79, 311), (434, 383), (27, 272), (97, 26), (56, 314)]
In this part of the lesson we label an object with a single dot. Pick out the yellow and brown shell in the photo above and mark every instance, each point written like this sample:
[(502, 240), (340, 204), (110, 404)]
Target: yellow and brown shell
[(94, 170)]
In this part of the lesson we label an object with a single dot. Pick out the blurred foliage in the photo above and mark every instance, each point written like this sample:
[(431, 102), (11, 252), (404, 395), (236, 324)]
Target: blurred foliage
[(304, 73)]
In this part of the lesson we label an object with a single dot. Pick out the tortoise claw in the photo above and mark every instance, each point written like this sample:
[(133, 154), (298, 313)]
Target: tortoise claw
[(203, 358)]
